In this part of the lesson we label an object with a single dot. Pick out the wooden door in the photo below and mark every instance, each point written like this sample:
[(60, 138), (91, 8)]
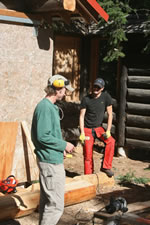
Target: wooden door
[(67, 62)]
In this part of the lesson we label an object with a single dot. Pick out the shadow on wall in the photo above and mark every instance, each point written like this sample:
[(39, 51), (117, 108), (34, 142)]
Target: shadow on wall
[(69, 114), (43, 38)]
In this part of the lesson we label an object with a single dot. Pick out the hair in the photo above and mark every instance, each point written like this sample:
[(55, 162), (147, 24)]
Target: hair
[(50, 90)]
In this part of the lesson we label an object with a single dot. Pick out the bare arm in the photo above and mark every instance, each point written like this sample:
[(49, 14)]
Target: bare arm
[(81, 120), (109, 121)]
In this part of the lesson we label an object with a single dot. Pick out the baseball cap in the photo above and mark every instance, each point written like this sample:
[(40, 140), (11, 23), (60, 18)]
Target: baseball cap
[(60, 77), (99, 82)]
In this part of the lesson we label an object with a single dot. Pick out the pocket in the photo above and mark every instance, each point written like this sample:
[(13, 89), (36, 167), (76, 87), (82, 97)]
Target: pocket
[(50, 183), (49, 179)]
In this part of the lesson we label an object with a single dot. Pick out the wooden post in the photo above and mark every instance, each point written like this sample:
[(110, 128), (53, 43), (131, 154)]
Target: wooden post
[(122, 107)]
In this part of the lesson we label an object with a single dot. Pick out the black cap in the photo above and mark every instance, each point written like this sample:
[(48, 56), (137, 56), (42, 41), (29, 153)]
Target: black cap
[(99, 82)]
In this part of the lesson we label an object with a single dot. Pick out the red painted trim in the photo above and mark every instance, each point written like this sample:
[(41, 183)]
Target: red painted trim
[(99, 9)]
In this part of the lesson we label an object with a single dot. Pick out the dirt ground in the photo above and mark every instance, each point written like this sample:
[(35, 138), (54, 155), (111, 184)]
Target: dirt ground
[(82, 214)]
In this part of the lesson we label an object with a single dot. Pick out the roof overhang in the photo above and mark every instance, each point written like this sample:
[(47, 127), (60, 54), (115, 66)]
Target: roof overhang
[(47, 9)]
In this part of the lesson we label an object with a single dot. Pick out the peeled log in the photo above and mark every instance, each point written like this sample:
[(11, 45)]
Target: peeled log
[(79, 191), (26, 200)]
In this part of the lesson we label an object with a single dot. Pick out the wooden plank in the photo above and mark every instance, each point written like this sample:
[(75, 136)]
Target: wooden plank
[(28, 136), (8, 133), (26, 156), (27, 139)]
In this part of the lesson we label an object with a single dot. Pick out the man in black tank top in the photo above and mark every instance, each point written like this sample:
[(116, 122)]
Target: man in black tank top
[(93, 107)]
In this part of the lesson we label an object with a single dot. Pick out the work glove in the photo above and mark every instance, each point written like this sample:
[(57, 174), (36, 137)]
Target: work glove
[(82, 138), (107, 134)]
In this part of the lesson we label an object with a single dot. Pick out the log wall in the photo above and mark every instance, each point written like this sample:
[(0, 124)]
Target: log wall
[(135, 110)]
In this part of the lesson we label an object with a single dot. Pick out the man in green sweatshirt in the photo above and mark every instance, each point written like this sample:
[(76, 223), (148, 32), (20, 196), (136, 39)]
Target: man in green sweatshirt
[(50, 149)]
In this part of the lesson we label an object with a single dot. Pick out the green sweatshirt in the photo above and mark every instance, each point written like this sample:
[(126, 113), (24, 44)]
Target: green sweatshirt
[(46, 133)]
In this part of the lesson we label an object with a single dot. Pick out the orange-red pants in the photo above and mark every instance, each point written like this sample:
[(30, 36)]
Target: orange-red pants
[(88, 149)]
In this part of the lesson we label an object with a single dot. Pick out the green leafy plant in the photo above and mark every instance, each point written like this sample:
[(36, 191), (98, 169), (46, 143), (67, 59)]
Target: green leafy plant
[(131, 178), (114, 30)]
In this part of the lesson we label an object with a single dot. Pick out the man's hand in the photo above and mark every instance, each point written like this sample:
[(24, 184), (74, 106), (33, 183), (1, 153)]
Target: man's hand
[(107, 134), (82, 138), (65, 154), (69, 147)]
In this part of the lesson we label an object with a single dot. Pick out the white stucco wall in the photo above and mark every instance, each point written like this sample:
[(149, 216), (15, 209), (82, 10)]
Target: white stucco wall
[(25, 66)]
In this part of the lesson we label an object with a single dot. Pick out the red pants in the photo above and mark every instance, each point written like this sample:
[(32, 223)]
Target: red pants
[(88, 149)]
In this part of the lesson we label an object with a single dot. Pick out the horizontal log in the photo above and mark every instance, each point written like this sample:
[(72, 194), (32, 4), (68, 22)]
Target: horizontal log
[(115, 104), (138, 121), (113, 128), (136, 72), (79, 191), (138, 109), (106, 117), (138, 144), (139, 82), (138, 95), (71, 134), (138, 133)]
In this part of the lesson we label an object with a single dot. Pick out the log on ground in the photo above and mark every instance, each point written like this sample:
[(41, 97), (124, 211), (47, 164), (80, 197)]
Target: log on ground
[(26, 201)]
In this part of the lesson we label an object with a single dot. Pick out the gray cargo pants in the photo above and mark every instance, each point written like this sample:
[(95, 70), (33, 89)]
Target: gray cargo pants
[(52, 185)]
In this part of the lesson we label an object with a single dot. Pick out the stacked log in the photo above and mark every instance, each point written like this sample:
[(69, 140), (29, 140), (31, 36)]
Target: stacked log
[(137, 130)]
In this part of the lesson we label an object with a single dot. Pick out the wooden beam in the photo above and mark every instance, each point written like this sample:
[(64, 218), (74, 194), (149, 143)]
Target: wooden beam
[(13, 13), (87, 11), (65, 16), (69, 5)]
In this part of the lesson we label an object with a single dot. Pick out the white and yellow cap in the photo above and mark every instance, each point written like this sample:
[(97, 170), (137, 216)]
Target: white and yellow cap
[(60, 81)]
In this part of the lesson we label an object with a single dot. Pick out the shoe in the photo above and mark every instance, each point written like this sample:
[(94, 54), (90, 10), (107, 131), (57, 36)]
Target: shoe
[(107, 171)]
